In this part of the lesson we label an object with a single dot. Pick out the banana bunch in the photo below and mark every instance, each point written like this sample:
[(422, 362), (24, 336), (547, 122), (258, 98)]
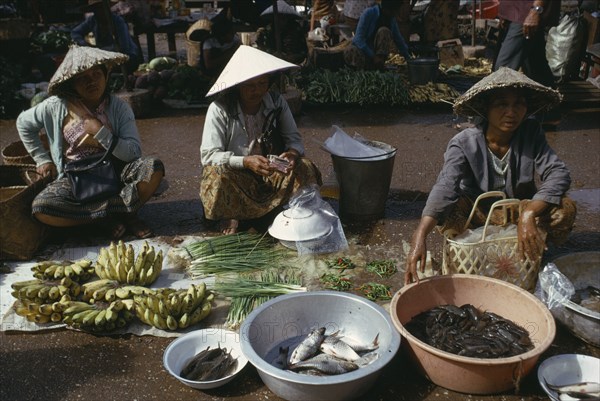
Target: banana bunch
[(79, 270), (170, 309), (39, 313), (110, 290), (42, 291), (96, 317), (432, 93), (118, 262)]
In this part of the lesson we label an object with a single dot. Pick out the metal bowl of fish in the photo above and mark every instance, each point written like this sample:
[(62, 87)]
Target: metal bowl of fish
[(205, 359), (479, 305), (570, 377), (581, 313), (322, 345)]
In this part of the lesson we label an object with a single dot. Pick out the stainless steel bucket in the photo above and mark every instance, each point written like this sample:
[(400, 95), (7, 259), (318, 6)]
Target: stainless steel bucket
[(364, 185)]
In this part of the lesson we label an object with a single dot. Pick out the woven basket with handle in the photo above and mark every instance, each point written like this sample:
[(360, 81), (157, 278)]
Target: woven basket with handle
[(497, 258)]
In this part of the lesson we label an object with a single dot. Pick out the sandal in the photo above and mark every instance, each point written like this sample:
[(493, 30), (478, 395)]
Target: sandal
[(138, 227), (229, 226)]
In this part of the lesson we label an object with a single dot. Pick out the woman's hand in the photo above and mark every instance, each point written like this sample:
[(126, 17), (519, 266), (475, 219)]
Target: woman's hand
[(531, 24), (47, 169), (258, 164), (291, 156), (418, 249), (530, 239), (417, 253), (91, 125)]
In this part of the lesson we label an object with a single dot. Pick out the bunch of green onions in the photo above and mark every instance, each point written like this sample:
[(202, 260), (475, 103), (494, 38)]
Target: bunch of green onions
[(249, 292), (383, 268), (233, 253)]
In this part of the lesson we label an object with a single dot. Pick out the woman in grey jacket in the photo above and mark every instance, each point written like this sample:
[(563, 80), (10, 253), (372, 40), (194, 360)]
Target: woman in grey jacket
[(505, 153), (81, 119)]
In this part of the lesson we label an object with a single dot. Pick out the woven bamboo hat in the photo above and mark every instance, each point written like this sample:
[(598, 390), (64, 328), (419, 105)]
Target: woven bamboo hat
[(246, 63), (79, 59), (282, 8), (474, 101)]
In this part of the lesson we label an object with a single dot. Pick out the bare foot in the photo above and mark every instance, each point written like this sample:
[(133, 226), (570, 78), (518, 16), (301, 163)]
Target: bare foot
[(229, 226), (138, 227), (113, 228)]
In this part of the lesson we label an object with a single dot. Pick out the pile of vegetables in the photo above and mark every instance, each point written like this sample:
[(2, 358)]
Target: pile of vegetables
[(348, 86), (50, 42), (164, 77)]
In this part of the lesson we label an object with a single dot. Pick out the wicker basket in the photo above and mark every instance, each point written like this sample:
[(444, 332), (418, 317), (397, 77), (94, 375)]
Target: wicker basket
[(194, 37), (497, 258), (20, 234), (15, 153)]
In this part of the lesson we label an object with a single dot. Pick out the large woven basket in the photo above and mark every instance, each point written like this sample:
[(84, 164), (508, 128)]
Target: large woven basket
[(20, 234), (15, 153), (497, 258)]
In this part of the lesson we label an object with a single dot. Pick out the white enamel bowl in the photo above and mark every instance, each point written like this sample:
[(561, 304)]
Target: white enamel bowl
[(179, 352), (565, 369)]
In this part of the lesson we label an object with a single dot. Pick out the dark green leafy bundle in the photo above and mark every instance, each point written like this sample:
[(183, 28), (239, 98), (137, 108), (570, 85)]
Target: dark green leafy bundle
[(336, 282), (348, 86)]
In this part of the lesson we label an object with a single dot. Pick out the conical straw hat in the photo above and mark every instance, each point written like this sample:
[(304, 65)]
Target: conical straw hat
[(282, 8), (474, 103), (79, 59), (247, 63)]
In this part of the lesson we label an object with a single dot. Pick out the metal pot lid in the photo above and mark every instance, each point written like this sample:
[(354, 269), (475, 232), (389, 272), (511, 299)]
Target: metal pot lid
[(299, 224)]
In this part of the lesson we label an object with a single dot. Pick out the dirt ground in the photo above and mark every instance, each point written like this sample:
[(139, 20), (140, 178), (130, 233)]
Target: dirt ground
[(69, 365)]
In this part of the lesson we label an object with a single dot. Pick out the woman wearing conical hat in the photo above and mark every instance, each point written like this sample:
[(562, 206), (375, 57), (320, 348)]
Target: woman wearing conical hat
[(81, 119), (508, 152), (243, 126)]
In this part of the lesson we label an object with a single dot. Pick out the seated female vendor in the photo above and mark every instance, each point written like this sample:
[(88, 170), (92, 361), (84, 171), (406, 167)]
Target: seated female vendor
[(246, 123), (504, 153), (82, 119)]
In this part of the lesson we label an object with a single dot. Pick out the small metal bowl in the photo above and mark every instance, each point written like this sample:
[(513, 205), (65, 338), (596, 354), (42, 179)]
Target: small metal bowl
[(560, 370), (288, 319), (179, 352)]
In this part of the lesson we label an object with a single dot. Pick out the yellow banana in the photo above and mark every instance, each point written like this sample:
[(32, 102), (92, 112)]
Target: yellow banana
[(45, 309), (39, 318), (129, 258), (43, 292), (171, 323), (110, 315), (159, 322), (123, 292), (59, 272), (110, 295), (163, 309), (184, 321), (140, 261), (55, 317), (76, 269), (84, 263), (112, 254), (200, 313), (22, 284), (66, 281), (89, 318), (131, 276), (33, 290), (53, 293), (100, 318), (116, 305), (58, 307), (68, 271)]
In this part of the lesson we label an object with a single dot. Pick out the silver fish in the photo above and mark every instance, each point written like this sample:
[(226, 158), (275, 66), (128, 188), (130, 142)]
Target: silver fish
[(583, 391), (367, 359), (326, 364), (309, 346), (360, 348), (334, 346)]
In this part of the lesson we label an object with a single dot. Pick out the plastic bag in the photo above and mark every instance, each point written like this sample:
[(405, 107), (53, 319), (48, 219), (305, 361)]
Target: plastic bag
[(565, 45), (310, 198), (472, 236), (341, 144), (553, 287)]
